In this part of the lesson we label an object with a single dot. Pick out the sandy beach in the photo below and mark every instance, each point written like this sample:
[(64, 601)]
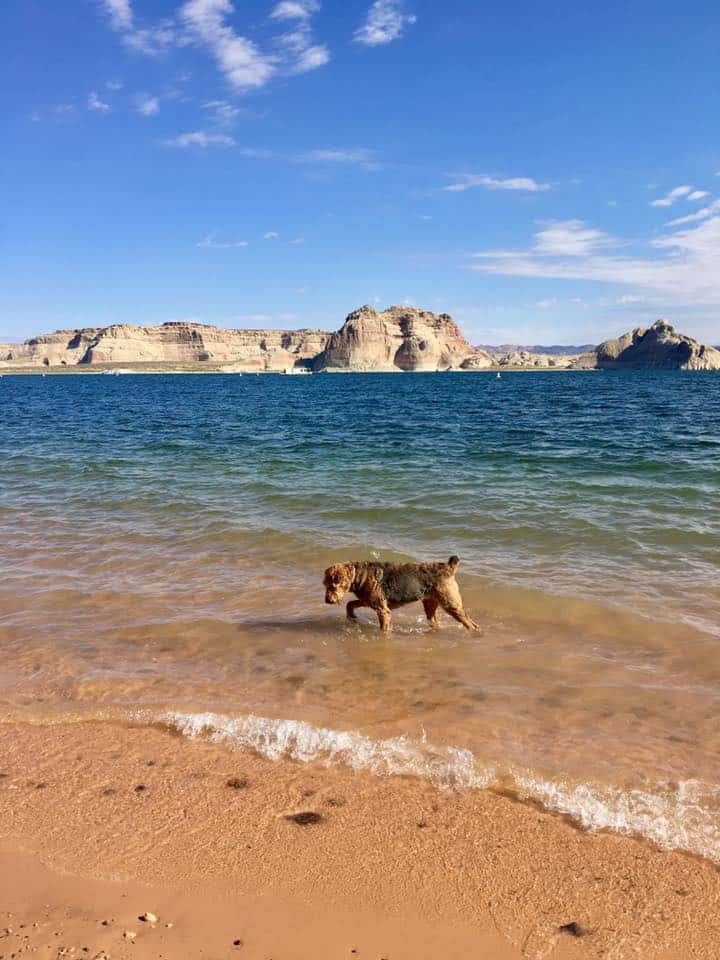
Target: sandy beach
[(103, 823)]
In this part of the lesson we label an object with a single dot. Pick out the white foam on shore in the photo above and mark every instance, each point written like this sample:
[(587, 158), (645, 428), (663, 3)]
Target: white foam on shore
[(297, 740), (685, 816)]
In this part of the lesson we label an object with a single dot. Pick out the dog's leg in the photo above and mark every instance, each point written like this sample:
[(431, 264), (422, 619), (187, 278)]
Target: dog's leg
[(384, 618), (352, 607), (451, 602), (457, 613), (431, 604)]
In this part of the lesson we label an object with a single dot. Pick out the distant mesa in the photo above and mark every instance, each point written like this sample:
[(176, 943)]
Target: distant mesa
[(401, 338), (659, 347)]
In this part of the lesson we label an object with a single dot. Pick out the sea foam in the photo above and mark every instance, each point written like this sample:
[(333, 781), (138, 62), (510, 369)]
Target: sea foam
[(683, 816)]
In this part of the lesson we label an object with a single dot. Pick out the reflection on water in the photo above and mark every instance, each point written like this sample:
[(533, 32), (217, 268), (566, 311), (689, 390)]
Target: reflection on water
[(164, 540)]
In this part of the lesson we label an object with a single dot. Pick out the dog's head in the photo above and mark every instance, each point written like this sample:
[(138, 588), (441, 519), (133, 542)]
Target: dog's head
[(337, 581)]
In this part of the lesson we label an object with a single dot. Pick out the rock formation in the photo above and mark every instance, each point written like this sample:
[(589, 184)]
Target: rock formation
[(658, 347), (400, 338), (168, 344)]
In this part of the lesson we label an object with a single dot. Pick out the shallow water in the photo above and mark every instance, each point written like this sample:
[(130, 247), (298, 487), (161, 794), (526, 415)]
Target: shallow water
[(164, 539)]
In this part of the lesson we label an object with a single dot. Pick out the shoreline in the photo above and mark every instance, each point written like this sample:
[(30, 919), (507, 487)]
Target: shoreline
[(111, 804), (125, 370)]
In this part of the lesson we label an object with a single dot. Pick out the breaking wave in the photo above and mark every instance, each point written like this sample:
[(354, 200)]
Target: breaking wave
[(684, 816)]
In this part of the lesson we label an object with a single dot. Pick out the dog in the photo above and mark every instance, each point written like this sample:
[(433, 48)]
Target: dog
[(385, 586)]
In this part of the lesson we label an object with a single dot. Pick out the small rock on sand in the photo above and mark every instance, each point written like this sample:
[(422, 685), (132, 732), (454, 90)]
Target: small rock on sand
[(148, 917), (237, 783), (129, 935), (304, 817), (573, 929)]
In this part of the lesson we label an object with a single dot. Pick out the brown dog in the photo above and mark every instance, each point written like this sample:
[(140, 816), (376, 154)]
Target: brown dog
[(385, 586)]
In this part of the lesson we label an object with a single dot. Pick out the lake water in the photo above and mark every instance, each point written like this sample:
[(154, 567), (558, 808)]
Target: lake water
[(164, 538)]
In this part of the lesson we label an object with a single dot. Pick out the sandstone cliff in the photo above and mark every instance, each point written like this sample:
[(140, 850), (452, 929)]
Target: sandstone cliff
[(658, 347), (168, 344), (400, 338)]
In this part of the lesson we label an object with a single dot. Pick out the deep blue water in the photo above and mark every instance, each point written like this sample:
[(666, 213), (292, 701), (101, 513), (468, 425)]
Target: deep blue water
[(603, 485)]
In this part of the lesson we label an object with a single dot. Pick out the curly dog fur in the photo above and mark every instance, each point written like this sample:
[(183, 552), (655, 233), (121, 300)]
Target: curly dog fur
[(385, 586)]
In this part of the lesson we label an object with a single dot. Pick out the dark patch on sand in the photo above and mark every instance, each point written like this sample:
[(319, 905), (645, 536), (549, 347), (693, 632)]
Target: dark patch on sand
[(237, 783), (140, 788), (573, 929), (305, 817)]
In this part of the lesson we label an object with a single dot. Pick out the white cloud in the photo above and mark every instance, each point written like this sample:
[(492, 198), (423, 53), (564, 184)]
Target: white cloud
[(120, 13), (297, 240), (114, 85), (701, 214), (298, 43), (546, 304), (360, 156), (681, 266), (270, 235), (698, 195), (95, 103), (669, 199), (224, 113), (199, 138), (295, 10), (385, 22), (569, 238), (211, 243), (240, 61), (148, 106), (467, 181), (152, 41), (628, 298), (311, 58), (148, 40)]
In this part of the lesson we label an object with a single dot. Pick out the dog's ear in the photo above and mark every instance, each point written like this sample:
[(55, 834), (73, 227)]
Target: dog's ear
[(454, 562)]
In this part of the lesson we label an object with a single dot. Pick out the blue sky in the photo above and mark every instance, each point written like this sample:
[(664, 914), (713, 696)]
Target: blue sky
[(543, 172)]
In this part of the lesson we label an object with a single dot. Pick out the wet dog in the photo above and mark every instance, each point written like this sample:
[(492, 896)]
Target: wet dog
[(385, 586)]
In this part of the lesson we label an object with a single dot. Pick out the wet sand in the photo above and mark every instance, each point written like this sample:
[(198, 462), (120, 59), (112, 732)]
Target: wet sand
[(102, 821)]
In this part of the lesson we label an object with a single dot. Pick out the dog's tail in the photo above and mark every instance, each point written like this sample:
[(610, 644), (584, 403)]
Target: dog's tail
[(453, 562)]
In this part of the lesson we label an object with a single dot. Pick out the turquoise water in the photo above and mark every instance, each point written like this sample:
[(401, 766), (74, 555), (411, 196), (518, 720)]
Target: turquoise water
[(164, 539)]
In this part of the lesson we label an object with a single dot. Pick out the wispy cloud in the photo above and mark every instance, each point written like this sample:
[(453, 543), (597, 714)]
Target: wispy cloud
[(698, 195), (153, 41), (360, 156), (119, 12), (243, 65), (702, 214), (466, 181), (270, 235), (147, 40), (295, 10), (297, 241), (669, 199), (682, 266), (148, 106), (211, 243), (222, 112), (298, 43), (569, 238), (95, 103), (198, 138), (385, 22)]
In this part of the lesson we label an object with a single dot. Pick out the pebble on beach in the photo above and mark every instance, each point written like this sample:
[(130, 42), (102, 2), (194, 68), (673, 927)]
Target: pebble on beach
[(304, 817)]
